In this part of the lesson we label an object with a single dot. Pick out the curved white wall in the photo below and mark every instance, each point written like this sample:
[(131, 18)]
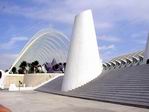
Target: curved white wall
[(83, 62)]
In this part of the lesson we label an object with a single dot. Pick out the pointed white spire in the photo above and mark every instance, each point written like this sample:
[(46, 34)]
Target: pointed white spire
[(146, 51), (83, 63)]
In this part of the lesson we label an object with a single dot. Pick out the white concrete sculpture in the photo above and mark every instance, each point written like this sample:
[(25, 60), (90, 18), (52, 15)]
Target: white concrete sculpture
[(83, 61), (146, 52), (2, 79)]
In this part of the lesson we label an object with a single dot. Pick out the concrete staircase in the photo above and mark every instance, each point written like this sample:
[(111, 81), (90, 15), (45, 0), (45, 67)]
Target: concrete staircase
[(125, 86), (53, 86)]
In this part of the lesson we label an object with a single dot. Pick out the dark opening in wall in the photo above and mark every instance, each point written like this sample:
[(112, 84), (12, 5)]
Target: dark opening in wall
[(147, 62), (0, 74)]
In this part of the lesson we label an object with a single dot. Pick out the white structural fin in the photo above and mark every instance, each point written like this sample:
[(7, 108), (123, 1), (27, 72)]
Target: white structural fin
[(2, 79), (83, 61), (146, 52)]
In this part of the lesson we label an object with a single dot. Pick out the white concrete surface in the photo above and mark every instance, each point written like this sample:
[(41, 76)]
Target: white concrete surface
[(42, 102), (2, 79), (29, 81), (32, 80), (13, 79), (53, 76), (83, 63), (13, 87)]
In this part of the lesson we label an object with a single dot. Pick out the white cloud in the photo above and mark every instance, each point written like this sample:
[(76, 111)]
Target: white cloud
[(140, 34), (140, 37), (143, 42), (12, 42), (109, 38), (104, 25), (47, 13), (108, 47), (105, 12)]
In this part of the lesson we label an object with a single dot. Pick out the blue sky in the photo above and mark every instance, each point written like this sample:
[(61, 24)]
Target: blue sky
[(121, 26)]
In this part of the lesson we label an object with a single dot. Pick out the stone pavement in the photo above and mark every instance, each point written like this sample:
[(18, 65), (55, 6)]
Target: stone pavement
[(33, 101)]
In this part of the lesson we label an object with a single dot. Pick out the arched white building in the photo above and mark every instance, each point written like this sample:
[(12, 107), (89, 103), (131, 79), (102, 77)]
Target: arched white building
[(44, 46)]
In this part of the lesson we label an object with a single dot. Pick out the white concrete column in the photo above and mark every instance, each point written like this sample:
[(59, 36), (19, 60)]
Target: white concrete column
[(83, 62), (2, 79), (146, 51)]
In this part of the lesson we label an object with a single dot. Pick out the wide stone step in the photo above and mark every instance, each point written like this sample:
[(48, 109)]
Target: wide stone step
[(119, 100), (136, 95), (146, 88), (126, 85), (146, 94), (118, 97)]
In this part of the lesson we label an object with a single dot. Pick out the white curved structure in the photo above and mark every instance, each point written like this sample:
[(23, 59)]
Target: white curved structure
[(131, 59), (2, 79), (44, 47), (83, 62), (146, 52)]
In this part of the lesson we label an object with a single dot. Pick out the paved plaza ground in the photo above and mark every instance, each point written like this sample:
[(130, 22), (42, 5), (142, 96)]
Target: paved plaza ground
[(33, 101)]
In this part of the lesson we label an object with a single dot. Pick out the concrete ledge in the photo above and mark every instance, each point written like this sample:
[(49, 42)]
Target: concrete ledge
[(30, 80), (13, 79)]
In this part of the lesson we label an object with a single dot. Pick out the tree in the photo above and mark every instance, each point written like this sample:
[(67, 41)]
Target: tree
[(36, 65), (14, 70), (22, 69), (33, 67), (6, 70), (23, 64)]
